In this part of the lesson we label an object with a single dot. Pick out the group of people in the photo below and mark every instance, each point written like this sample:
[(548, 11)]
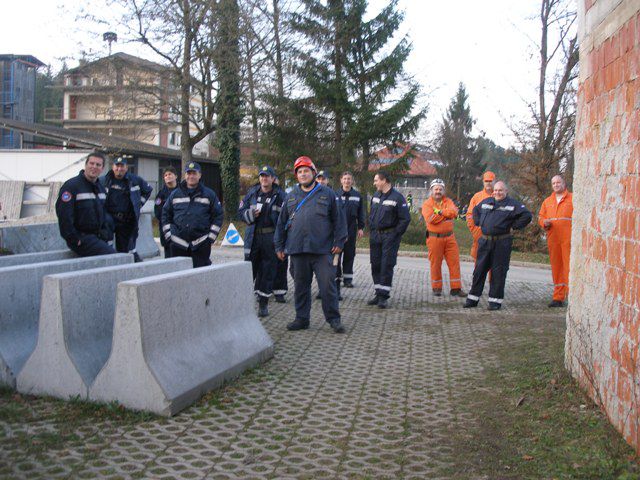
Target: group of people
[(99, 215), (492, 217), (312, 230)]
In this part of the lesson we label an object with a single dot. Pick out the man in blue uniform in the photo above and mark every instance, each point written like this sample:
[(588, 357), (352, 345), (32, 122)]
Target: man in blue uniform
[(497, 216), (323, 179), (353, 205), (388, 220), (260, 209), (311, 231), (191, 218), (126, 194), (170, 184), (84, 223)]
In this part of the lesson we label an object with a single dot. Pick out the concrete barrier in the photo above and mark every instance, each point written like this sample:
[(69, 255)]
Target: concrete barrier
[(28, 238), (20, 289), (37, 257), (43, 237), (146, 245), (76, 327), (179, 335)]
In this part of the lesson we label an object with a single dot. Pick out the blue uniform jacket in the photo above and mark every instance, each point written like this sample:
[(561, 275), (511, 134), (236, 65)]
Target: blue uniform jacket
[(389, 211), (161, 198), (191, 218), (139, 190), (353, 206), (500, 217), (80, 209), (271, 208), (316, 227)]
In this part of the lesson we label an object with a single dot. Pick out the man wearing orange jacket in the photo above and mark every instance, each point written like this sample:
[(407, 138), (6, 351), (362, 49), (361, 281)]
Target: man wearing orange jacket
[(486, 192), (439, 213), (555, 217)]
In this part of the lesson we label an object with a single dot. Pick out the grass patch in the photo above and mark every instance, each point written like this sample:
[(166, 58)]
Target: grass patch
[(533, 421)]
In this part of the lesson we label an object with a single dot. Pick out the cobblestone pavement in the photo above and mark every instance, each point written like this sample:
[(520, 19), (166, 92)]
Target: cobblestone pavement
[(378, 402)]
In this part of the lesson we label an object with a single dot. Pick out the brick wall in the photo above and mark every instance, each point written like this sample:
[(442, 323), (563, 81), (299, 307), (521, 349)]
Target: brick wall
[(603, 319)]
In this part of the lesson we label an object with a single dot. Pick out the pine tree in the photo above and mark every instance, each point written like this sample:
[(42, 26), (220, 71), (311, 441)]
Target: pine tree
[(457, 149), (350, 78)]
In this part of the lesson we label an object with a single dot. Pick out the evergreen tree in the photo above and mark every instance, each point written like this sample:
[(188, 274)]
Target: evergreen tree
[(458, 150), (350, 78)]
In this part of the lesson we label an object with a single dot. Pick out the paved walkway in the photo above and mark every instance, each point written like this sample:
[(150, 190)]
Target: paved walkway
[(378, 402)]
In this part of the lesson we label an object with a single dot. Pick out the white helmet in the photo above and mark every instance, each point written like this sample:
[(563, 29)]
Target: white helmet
[(436, 181)]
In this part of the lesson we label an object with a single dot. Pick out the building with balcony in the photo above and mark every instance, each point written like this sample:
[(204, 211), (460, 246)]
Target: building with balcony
[(125, 96), (17, 95)]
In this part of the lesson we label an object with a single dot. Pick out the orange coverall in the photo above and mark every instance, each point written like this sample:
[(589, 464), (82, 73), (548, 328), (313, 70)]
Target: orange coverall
[(476, 232), (441, 242), (558, 240)]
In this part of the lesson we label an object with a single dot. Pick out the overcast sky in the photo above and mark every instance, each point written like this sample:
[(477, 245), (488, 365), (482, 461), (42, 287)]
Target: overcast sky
[(487, 45)]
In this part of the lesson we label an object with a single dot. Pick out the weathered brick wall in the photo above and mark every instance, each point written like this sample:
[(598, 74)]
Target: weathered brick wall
[(603, 319)]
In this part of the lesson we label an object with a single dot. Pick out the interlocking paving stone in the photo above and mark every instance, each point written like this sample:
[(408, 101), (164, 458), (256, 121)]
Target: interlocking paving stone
[(377, 402)]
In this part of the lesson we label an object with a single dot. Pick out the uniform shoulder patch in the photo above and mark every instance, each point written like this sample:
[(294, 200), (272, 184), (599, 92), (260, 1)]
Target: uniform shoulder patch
[(241, 204), (158, 201), (66, 196)]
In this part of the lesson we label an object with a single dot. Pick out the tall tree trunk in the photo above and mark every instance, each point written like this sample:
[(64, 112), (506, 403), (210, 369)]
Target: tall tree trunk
[(229, 116), (186, 147)]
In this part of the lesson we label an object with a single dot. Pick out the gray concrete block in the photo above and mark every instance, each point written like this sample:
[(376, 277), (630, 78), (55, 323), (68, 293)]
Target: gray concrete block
[(28, 238), (146, 245), (179, 335), (20, 294), (76, 327), (36, 257)]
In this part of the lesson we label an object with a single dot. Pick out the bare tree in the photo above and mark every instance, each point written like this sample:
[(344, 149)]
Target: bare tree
[(546, 142)]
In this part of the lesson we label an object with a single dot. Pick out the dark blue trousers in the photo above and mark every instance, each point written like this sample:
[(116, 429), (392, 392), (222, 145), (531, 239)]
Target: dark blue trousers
[(348, 255), (91, 246), (199, 257), (264, 263), (383, 254), (493, 255), (126, 236), (304, 265), (280, 286)]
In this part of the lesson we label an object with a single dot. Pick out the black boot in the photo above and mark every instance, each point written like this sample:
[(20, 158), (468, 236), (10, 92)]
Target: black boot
[(337, 326), (263, 306), (136, 258), (374, 300), (382, 302), (470, 304), (338, 289), (348, 283), (494, 306), (556, 304), (298, 324), (457, 292), (280, 299)]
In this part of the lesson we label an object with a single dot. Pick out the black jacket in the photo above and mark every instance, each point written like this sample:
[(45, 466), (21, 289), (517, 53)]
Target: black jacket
[(353, 205), (389, 211), (269, 213), (139, 191)]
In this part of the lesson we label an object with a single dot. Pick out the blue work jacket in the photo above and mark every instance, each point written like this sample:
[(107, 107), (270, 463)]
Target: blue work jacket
[(389, 212), (500, 217), (191, 217), (316, 227), (80, 209), (139, 191), (271, 207)]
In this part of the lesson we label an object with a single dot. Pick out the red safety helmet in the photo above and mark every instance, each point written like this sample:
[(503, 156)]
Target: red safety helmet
[(303, 162)]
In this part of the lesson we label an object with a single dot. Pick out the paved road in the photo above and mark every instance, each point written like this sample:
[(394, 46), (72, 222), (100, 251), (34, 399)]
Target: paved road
[(378, 402)]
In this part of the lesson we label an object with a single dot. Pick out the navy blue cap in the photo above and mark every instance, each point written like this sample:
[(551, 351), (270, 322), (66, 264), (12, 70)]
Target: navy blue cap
[(120, 161), (323, 173), (192, 167), (266, 170)]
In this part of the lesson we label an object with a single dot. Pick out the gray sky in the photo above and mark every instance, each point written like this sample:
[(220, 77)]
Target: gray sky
[(488, 45)]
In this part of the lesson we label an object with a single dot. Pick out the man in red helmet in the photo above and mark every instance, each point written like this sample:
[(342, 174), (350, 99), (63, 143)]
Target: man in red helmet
[(311, 231)]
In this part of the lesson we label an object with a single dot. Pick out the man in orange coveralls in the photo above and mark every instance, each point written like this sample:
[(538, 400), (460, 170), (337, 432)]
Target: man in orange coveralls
[(555, 217), (486, 192), (439, 213)]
